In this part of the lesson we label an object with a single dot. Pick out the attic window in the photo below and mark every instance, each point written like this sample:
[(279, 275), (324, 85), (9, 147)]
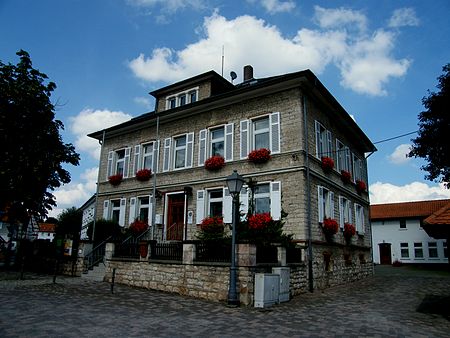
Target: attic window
[(182, 98)]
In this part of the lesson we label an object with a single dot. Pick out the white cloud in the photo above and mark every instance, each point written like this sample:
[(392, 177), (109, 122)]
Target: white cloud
[(170, 6), (337, 18), (403, 17), (415, 191), (143, 101), (399, 154), (277, 6), (88, 121), (365, 61)]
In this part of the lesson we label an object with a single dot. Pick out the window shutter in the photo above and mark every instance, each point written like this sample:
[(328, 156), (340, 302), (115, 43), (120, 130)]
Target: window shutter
[(356, 217), (136, 166), (329, 145), (243, 203), (317, 127), (132, 214), (227, 206), (229, 130), (200, 206), (341, 211), (275, 200), (244, 141), (166, 160), (362, 227), (350, 214), (275, 134), (106, 210), (126, 166), (123, 205), (331, 211), (202, 147), (109, 171), (155, 156), (189, 150), (320, 202), (150, 210)]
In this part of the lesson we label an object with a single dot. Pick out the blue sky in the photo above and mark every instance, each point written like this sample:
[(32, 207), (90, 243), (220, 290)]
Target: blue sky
[(378, 58)]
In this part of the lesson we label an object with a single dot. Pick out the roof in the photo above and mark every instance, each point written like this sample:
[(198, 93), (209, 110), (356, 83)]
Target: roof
[(421, 209), (47, 227), (442, 216)]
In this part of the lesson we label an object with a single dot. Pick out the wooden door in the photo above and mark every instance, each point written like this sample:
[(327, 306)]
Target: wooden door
[(175, 217), (385, 253)]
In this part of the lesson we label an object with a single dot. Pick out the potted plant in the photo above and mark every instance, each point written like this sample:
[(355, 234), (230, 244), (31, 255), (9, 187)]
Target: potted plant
[(138, 227), (259, 156), (211, 228), (259, 221), (327, 164), (115, 179), (360, 186), (214, 163), (346, 176), (143, 174), (349, 232), (330, 227)]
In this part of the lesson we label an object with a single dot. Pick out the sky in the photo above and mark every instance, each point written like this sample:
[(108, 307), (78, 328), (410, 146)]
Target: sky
[(378, 58)]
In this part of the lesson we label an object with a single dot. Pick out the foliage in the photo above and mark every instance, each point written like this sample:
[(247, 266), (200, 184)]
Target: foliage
[(211, 229), (32, 150), (346, 176), (349, 230), (69, 223), (115, 179), (104, 229), (138, 227), (143, 174), (360, 186), (215, 163), (432, 142), (327, 163), (330, 226), (259, 156)]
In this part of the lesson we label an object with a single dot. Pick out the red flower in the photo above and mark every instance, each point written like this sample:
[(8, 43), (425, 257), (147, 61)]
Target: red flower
[(360, 186), (259, 156), (115, 179), (327, 163), (215, 163), (349, 230), (259, 221), (143, 174), (138, 227), (330, 226), (346, 176), (212, 224)]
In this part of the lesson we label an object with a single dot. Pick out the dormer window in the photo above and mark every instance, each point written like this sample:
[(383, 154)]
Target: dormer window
[(182, 98), (172, 102)]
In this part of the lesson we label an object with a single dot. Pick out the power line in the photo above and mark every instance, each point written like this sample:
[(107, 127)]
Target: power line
[(395, 137)]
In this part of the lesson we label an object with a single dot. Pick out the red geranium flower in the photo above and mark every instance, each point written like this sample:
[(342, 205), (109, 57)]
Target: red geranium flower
[(115, 179), (215, 163), (259, 156), (330, 226), (349, 230), (327, 163), (259, 221), (360, 186), (143, 174), (138, 227), (346, 176)]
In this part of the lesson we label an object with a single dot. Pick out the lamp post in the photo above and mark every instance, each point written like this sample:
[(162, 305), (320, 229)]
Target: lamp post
[(234, 184)]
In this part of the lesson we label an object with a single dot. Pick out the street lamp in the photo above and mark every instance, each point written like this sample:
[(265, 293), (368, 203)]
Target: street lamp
[(234, 184)]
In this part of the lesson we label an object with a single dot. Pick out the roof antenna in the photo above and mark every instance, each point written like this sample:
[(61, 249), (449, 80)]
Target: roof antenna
[(233, 76), (223, 57)]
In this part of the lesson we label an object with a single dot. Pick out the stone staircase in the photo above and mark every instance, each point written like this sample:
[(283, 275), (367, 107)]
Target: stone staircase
[(97, 273)]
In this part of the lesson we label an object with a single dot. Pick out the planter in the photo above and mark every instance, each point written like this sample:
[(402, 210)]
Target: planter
[(259, 156), (349, 232), (330, 227), (143, 175), (360, 186), (115, 179), (214, 163), (346, 176), (327, 164)]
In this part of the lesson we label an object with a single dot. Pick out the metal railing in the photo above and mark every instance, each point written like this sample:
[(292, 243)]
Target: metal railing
[(212, 252), (129, 247), (96, 255), (172, 251), (266, 254)]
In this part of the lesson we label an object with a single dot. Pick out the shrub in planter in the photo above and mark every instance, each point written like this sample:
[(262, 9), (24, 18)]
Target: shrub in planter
[(349, 231), (346, 176), (211, 228), (214, 163), (115, 179), (138, 227), (360, 186), (259, 156), (330, 226), (327, 164), (143, 174)]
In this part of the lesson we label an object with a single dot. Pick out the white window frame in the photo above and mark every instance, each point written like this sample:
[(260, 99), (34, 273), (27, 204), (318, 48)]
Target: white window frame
[(111, 208), (345, 211), (324, 143), (218, 140), (325, 203), (209, 199), (404, 248), (205, 143), (418, 246), (113, 162), (433, 246), (170, 152), (179, 149), (177, 98), (359, 219)]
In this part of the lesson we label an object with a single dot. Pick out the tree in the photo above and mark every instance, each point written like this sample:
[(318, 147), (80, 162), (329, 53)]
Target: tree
[(32, 151), (432, 142), (69, 223)]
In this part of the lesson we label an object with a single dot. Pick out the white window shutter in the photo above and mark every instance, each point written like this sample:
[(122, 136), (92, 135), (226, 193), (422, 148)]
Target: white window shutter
[(329, 145), (109, 170), (229, 130), (227, 206), (126, 166), (320, 202), (189, 150), (150, 210), (123, 205), (356, 217), (132, 213), (331, 204), (166, 160), (155, 156), (362, 221), (202, 147), (136, 166), (275, 200), (243, 202), (341, 211), (200, 206), (106, 209), (244, 141), (317, 129), (275, 135), (350, 214)]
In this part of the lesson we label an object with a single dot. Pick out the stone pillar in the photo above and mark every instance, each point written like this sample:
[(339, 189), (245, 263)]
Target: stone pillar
[(109, 251), (188, 253), (281, 254), (246, 255)]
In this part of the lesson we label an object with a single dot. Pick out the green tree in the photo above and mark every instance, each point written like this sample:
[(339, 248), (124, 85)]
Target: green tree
[(32, 151), (432, 142), (69, 223)]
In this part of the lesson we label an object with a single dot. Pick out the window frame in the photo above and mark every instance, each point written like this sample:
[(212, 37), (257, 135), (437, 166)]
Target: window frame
[(210, 141), (418, 246), (325, 203), (210, 200), (176, 100), (404, 249), (434, 248), (324, 141)]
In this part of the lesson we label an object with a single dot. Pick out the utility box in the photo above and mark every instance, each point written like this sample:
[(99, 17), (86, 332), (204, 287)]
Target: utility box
[(284, 274), (267, 289)]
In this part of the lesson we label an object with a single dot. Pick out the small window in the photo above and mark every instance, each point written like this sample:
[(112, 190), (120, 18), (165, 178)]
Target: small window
[(180, 152), (418, 250), (324, 145), (192, 96), (445, 249), (120, 161), (432, 250), (404, 248), (217, 141), (147, 156), (261, 133), (402, 224), (262, 198), (172, 102), (144, 208), (326, 203), (115, 210), (182, 100), (215, 203)]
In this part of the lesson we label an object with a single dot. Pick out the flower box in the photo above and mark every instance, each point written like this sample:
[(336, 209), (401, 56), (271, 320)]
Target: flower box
[(143, 174), (327, 164), (138, 227), (259, 221), (214, 163), (330, 226), (346, 176), (349, 231), (259, 156), (115, 179), (360, 186)]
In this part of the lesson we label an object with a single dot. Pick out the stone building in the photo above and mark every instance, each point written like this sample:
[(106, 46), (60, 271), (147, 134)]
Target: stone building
[(292, 115)]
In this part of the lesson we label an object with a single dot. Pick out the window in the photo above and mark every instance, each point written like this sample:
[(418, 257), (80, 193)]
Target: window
[(404, 250), (324, 145), (341, 163), (432, 250), (216, 141), (140, 208), (262, 198), (345, 211), (215, 202), (172, 102), (444, 244), (261, 132), (144, 208), (118, 162), (358, 171), (359, 219), (325, 203), (147, 156), (418, 250), (402, 224), (192, 96), (180, 152), (182, 98), (181, 155)]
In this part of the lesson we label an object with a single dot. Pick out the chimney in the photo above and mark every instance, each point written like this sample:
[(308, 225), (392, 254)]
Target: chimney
[(248, 73)]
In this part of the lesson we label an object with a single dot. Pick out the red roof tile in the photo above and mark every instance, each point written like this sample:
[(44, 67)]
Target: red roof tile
[(47, 227), (421, 209), (442, 216)]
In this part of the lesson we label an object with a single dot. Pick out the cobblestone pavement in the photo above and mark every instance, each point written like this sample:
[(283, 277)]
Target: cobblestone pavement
[(381, 306)]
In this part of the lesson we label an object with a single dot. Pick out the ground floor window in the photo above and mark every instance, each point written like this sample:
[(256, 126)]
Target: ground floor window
[(215, 203), (404, 248), (445, 249), (432, 250), (418, 250), (144, 206)]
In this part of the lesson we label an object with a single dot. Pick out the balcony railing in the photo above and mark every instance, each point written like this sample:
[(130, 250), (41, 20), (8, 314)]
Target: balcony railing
[(212, 252)]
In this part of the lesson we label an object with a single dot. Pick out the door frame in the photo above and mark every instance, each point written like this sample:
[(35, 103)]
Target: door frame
[(386, 245), (166, 212)]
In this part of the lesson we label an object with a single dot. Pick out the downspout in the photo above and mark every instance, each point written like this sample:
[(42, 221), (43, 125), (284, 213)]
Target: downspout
[(96, 192), (371, 232), (154, 182), (308, 199)]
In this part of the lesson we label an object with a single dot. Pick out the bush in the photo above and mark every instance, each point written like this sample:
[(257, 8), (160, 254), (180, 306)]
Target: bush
[(211, 229), (104, 229)]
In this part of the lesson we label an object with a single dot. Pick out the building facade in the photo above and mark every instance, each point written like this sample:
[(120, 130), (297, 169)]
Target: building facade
[(399, 235), (293, 116)]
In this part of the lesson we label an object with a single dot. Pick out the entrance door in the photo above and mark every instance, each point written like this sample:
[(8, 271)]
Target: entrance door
[(385, 253), (175, 217)]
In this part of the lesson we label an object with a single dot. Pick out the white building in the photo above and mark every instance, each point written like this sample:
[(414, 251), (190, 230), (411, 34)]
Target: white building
[(46, 231), (398, 234)]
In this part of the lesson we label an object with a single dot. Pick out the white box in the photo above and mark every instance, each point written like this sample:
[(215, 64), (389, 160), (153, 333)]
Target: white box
[(267, 288), (284, 274)]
